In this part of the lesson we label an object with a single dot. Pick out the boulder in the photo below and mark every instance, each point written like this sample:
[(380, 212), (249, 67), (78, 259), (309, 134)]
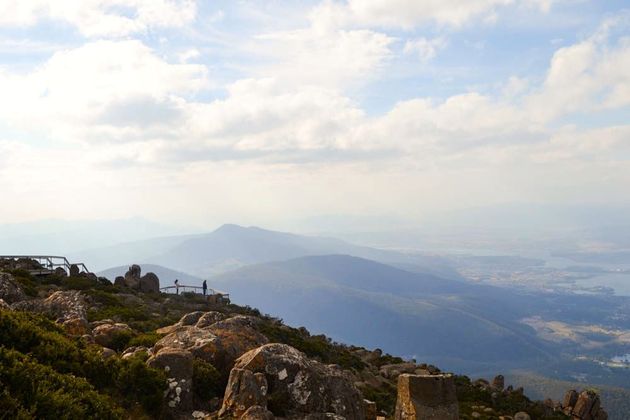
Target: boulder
[(392, 371), (570, 398), (257, 412), (244, 390), (178, 365), (76, 326), (10, 290), (106, 353), (305, 387), (371, 411), (133, 351), (191, 318), (498, 382), (149, 283), (61, 272), (209, 318), (220, 344), (63, 305), (119, 281), (200, 343), (521, 415), (426, 397), (107, 334), (74, 270)]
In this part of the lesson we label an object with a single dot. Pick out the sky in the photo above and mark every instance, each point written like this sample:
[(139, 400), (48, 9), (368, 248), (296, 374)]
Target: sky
[(274, 112)]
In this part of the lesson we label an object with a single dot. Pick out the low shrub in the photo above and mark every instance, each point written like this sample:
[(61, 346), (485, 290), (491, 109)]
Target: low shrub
[(145, 339), (207, 381)]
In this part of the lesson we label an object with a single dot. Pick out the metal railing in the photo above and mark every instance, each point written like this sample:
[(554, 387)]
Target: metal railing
[(182, 288), (47, 263)]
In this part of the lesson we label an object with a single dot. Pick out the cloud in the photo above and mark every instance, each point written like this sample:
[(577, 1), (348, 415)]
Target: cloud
[(326, 56), (82, 93), (94, 18), (425, 48)]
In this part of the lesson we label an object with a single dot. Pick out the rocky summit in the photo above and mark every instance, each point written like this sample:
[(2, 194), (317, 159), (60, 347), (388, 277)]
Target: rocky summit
[(74, 346)]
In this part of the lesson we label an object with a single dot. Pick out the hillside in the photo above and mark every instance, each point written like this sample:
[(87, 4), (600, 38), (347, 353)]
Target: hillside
[(116, 353)]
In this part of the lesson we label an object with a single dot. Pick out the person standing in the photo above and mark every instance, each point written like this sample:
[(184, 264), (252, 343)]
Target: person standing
[(205, 287), (177, 286)]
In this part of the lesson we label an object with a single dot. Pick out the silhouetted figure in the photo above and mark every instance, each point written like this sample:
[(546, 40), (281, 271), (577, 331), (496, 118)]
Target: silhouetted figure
[(177, 286), (205, 287)]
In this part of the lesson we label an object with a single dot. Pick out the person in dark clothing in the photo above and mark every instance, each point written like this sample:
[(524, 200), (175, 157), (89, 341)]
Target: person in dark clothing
[(177, 286), (205, 287)]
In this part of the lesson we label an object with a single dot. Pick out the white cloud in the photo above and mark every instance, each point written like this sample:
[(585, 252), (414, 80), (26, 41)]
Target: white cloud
[(326, 56), (100, 17), (79, 89), (425, 48)]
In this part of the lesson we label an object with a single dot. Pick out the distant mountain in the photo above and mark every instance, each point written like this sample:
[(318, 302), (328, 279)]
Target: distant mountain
[(233, 246), (453, 323)]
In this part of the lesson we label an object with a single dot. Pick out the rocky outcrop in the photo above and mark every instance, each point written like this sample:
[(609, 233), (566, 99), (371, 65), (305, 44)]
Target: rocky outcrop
[(426, 397), (10, 290), (244, 390), (257, 412), (585, 405), (178, 366), (69, 307), (4, 306), (220, 344), (305, 387), (149, 283), (107, 334)]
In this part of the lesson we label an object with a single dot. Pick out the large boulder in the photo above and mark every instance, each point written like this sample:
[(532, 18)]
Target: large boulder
[(220, 344), (108, 334), (64, 305), (209, 318), (244, 390), (299, 387), (257, 412), (426, 397), (149, 283), (587, 406), (10, 290), (178, 366)]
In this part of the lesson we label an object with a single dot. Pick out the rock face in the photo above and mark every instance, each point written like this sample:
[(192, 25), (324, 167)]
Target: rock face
[(305, 387), (257, 412), (3, 305), (220, 344), (583, 406), (178, 365), (426, 397), (498, 382), (10, 290), (244, 391), (69, 307), (106, 334), (149, 283)]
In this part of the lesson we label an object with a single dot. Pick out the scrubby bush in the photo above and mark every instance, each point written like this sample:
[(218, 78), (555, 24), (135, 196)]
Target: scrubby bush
[(145, 339), (207, 381), (73, 365)]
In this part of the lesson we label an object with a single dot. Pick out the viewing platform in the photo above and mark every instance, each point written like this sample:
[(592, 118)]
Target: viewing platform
[(42, 265)]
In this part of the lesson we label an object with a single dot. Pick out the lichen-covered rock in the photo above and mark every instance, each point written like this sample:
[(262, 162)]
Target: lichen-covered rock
[(200, 343), (521, 415), (133, 351), (209, 318), (10, 290), (190, 318), (106, 353), (76, 326), (63, 305), (220, 344), (371, 411), (304, 386), (426, 397), (178, 366), (244, 390), (107, 334)]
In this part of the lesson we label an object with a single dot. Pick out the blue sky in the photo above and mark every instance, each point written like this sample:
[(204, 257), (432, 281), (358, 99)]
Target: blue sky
[(271, 112)]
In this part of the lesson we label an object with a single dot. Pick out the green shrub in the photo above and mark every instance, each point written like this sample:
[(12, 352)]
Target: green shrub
[(316, 346), (121, 340), (207, 381), (125, 381), (39, 391), (145, 339)]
